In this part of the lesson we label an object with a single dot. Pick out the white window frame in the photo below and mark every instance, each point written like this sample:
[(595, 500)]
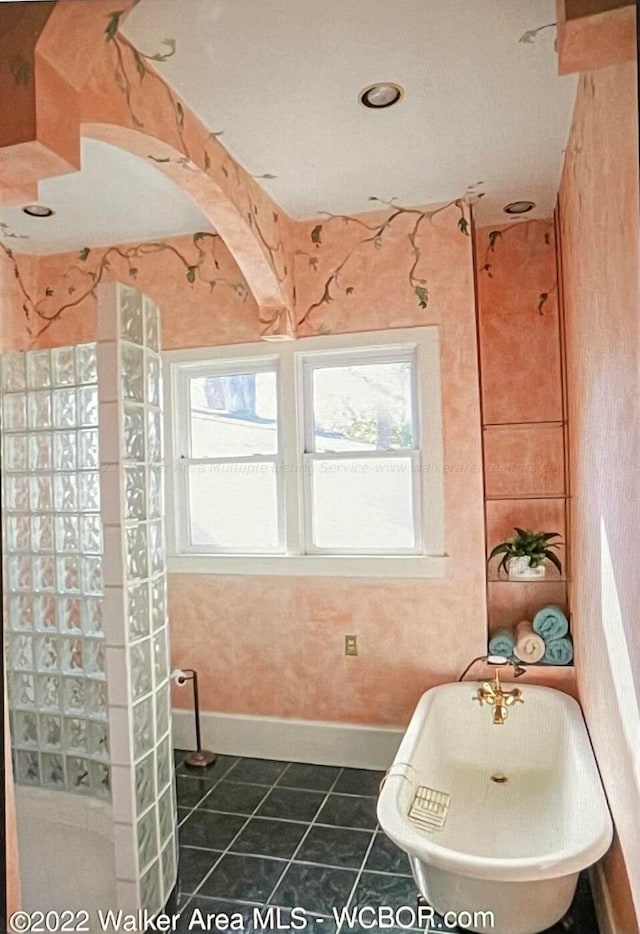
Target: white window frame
[(182, 434), (294, 361)]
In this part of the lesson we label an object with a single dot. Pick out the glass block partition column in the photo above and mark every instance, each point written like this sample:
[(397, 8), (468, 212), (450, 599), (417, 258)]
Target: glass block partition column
[(144, 809), (53, 570)]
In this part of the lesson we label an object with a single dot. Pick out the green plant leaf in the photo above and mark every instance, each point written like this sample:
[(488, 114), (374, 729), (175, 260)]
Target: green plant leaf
[(504, 548), (316, 234), (554, 560), (463, 226), (422, 296)]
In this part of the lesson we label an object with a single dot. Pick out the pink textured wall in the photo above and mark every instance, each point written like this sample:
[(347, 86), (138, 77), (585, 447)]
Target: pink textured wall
[(194, 314), (279, 642), (599, 240), (522, 404)]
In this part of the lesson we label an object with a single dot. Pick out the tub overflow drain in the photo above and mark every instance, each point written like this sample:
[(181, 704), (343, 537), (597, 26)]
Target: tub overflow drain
[(499, 778)]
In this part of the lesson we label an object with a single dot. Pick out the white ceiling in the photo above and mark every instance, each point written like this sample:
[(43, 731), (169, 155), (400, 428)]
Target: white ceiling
[(115, 198), (281, 79)]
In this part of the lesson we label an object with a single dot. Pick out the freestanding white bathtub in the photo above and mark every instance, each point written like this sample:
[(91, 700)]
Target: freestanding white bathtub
[(514, 847)]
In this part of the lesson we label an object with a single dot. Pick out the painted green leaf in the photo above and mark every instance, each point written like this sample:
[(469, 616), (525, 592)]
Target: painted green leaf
[(493, 237), (316, 235), (113, 24), (422, 296), (84, 253), (140, 65), (191, 274), (463, 226)]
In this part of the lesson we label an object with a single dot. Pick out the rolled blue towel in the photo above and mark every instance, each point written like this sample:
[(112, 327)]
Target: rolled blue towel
[(550, 623), (558, 652), (502, 642)]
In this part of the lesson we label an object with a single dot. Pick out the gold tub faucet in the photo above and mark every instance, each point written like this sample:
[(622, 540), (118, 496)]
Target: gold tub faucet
[(493, 693)]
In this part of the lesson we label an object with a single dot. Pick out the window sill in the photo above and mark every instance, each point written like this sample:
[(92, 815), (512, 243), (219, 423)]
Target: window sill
[(400, 566)]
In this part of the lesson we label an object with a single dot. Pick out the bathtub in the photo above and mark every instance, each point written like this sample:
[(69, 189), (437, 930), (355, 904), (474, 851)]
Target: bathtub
[(511, 847), (66, 852)]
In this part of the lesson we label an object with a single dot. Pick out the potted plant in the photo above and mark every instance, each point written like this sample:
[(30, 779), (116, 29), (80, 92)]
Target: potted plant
[(524, 556)]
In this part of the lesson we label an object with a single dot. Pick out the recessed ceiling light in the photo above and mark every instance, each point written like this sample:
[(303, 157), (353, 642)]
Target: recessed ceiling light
[(378, 96), (518, 207), (38, 210)]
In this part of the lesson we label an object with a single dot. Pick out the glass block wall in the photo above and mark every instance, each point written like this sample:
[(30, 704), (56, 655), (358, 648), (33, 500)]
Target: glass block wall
[(53, 600), (144, 809)]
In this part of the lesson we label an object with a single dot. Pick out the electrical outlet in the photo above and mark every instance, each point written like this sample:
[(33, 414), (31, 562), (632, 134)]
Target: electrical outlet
[(350, 645)]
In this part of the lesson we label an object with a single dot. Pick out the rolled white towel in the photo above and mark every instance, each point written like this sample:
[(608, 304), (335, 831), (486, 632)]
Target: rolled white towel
[(529, 645)]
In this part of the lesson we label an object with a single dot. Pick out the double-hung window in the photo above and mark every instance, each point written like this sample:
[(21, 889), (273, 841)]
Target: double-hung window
[(323, 456)]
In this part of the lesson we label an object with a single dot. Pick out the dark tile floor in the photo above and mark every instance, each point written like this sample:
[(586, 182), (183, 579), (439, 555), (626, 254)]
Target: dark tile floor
[(256, 833)]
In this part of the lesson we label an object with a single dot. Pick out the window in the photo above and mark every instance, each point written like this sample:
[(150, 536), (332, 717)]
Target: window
[(321, 458)]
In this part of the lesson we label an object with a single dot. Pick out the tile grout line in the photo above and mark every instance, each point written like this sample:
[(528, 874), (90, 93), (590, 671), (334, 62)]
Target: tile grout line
[(227, 849), (359, 874), (277, 784), (206, 795), (304, 837)]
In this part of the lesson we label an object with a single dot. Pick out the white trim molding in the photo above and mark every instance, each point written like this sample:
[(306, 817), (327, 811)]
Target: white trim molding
[(318, 742), (296, 554)]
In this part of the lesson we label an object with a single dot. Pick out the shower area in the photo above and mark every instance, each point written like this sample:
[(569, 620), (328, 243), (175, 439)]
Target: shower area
[(85, 615)]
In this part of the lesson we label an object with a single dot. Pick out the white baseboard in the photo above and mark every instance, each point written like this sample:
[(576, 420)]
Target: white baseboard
[(314, 741), (602, 900)]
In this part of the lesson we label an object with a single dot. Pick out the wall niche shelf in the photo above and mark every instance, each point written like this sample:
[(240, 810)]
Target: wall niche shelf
[(544, 580)]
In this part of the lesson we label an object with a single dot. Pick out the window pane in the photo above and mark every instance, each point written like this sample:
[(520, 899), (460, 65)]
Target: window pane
[(234, 416), (363, 408), (363, 504), (234, 506)]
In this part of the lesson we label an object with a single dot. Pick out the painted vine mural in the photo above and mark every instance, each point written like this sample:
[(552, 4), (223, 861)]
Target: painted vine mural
[(89, 267), (494, 238), (134, 72)]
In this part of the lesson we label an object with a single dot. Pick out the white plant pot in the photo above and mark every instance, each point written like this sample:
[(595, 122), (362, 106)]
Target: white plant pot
[(519, 569)]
